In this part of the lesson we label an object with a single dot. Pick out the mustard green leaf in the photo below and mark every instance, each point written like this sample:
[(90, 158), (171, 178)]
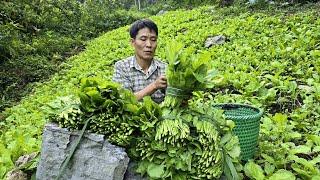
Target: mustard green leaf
[(282, 174), (254, 171)]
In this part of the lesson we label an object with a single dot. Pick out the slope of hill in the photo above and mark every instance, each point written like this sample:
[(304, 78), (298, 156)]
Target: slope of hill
[(269, 60)]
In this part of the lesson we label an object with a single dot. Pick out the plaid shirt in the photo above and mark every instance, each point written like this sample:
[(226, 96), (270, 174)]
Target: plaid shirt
[(129, 73)]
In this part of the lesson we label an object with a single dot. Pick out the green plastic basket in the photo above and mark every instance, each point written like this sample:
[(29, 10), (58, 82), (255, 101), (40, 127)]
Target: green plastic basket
[(247, 120)]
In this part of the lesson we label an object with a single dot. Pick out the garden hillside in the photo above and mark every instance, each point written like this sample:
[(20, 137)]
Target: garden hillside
[(270, 59), (37, 36)]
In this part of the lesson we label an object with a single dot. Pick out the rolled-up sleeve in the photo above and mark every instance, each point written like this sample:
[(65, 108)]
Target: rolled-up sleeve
[(121, 76)]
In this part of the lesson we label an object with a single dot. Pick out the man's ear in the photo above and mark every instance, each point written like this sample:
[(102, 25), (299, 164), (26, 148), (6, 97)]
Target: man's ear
[(132, 41)]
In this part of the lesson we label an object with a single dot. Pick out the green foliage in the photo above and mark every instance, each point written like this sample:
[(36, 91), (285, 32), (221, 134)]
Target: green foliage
[(197, 128), (254, 171), (112, 111), (270, 61), (190, 124), (186, 72), (36, 36), (149, 136)]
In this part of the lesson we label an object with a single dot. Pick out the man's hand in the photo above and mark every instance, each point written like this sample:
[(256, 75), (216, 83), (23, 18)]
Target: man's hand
[(160, 83)]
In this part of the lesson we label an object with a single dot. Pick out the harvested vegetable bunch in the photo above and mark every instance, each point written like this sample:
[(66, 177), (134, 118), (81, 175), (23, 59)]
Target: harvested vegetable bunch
[(98, 95), (185, 73), (193, 142), (116, 113), (66, 112), (192, 139), (112, 110), (185, 142)]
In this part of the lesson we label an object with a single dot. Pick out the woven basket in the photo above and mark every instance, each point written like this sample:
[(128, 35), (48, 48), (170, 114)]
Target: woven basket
[(247, 120)]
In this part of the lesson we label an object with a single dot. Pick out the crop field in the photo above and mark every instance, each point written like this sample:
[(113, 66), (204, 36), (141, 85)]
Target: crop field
[(270, 60)]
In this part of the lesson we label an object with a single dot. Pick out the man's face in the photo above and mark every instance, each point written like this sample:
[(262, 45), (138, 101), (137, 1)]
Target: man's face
[(145, 44)]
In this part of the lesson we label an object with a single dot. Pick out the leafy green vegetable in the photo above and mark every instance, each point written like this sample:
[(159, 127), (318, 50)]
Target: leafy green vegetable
[(155, 171), (282, 174), (254, 171), (186, 72)]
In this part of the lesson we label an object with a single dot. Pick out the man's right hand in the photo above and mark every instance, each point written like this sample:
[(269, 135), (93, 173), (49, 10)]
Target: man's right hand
[(160, 83)]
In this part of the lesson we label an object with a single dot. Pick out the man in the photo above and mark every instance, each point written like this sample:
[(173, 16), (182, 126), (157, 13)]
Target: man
[(141, 73)]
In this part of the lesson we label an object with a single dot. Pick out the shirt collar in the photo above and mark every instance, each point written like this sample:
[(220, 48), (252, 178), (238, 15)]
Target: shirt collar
[(153, 66)]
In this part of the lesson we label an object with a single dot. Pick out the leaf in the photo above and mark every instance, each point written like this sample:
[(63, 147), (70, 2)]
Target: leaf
[(315, 53), (294, 135), (307, 164), (315, 139), (215, 80), (158, 146), (269, 168), (149, 104), (235, 152), (95, 96), (131, 108), (253, 171), (316, 177), (301, 149), (229, 168), (316, 149), (272, 93), (315, 160), (230, 124), (155, 171), (201, 73), (173, 51), (225, 138), (280, 119), (300, 171), (282, 174), (142, 167), (186, 158)]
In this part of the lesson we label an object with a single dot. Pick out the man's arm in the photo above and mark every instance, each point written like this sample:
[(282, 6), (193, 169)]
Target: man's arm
[(121, 77), (160, 82)]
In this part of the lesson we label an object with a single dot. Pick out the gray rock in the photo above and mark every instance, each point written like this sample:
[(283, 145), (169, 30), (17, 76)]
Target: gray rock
[(252, 1), (25, 159), (220, 39), (94, 158), (16, 174), (161, 12), (272, 2)]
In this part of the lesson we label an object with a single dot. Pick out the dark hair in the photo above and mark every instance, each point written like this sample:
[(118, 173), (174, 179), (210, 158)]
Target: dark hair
[(140, 24)]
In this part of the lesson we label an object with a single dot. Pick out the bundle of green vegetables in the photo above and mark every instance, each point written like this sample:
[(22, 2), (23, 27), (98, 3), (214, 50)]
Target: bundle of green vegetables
[(186, 72), (112, 110), (193, 142), (183, 138)]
